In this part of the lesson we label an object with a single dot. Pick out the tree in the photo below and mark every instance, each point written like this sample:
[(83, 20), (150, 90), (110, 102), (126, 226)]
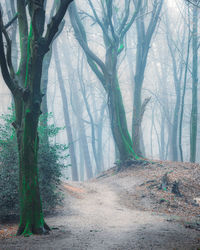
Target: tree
[(144, 36), (114, 26), (66, 115), (176, 48), (194, 111), (184, 90), (25, 86)]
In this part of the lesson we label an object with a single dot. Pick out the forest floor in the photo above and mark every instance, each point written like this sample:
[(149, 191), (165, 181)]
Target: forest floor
[(131, 209)]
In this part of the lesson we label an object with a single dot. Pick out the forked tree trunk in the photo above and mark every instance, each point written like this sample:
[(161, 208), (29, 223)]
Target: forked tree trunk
[(25, 86)]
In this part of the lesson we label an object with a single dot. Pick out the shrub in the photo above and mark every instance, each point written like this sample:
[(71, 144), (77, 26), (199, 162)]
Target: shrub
[(51, 158)]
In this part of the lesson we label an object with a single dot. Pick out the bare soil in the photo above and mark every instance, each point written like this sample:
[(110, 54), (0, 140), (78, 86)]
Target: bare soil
[(126, 210)]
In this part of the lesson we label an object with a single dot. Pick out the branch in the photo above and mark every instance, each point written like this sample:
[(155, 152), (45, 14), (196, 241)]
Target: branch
[(110, 14), (82, 39), (23, 33), (143, 107), (37, 13), (4, 68), (154, 19), (9, 52), (123, 23), (127, 27), (105, 32), (195, 4), (52, 27), (13, 19)]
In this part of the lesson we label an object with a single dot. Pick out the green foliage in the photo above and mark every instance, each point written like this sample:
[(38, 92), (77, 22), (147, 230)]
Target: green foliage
[(50, 162)]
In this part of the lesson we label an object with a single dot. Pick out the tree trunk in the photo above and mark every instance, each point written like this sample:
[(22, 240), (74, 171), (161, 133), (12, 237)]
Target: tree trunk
[(66, 116), (183, 97), (118, 121), (136, 119), (144, 36), (93, 137), (175, 124), (194, 112), (31, 216)]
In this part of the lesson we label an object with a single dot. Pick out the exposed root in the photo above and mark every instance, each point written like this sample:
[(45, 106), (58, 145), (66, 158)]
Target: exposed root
[(28, 230)]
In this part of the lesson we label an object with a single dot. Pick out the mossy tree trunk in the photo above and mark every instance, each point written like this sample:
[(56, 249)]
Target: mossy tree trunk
[(25, 87)]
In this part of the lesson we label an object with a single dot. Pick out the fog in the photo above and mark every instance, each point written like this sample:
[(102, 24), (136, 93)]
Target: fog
[(168, 68)]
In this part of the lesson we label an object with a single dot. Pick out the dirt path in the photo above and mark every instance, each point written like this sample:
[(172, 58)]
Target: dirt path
[(94, 218)]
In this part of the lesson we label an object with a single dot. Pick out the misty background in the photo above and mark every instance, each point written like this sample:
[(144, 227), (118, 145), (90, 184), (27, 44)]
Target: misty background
[(168, 70)]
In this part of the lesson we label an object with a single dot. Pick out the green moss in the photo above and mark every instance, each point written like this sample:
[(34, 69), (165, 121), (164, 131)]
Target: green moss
[(120, 48), (127, 141)]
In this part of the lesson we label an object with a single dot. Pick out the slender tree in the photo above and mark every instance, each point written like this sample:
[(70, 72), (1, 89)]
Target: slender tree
[(194, 111), (66, 115), (144, 37), (77, 107), (176, 49), (25, 86), (183, 94)]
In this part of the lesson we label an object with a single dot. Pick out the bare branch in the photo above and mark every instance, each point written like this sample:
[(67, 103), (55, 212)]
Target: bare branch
[(13, 19), (110, 13), (126, 11), (82, 39), (52, 27), (127, 27), (9, 52), (4, 68), (195, 3), (105, 32), (23, 33)]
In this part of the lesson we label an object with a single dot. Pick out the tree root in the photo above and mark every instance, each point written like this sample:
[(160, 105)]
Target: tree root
[(28, 230)]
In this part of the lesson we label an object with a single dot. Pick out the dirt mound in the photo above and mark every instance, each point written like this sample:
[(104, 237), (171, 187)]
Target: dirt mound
[(180, 196)]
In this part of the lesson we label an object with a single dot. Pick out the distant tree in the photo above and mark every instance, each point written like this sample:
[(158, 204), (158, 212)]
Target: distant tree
[(145, 30), (184, 89), (78, 109), (194, 111), (176, 47), (74, 167), (25, 86)]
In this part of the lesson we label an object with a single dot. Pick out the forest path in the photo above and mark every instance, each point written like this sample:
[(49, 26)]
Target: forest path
[(98, 220), (95, 218)]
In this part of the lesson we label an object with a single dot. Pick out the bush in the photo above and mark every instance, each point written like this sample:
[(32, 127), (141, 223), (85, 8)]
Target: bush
[(50, 163)]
